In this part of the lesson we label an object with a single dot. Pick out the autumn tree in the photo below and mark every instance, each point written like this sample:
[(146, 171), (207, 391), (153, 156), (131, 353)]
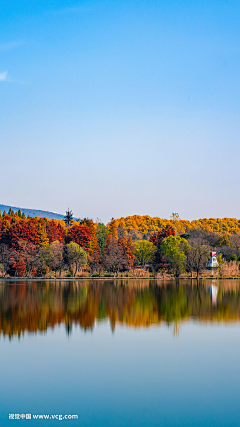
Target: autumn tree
[(56, 251), (143, 251), (45, 258), (55, 231), (102, 232), (129, 251), (157, 239), (6, 225), (174, 249), (93, 246), (21, 267), (28, 252), (5, 256), (81, 235), (42, 232), (112, 226), (235, 241), (76, 256), (197, 256), (23, 230), (115, 259)]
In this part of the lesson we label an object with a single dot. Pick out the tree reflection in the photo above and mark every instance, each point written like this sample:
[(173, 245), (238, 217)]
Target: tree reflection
[(36, 306)]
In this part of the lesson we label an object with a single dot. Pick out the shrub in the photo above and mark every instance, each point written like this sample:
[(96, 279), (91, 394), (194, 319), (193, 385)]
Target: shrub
[(139, 272), (230, 268), (83, 274), (45, 270)]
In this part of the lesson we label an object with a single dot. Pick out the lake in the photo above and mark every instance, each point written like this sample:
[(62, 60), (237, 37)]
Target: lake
[(120, 353)]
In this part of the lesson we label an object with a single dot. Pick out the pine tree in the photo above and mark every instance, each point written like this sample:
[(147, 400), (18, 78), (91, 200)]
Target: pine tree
[(11, 213), (23, 216), (68, 218), (19, 213)]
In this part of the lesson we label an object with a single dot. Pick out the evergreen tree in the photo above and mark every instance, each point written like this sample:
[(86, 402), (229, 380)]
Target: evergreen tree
[(68, 218), (19, 213), (23, 216), (11, 213)]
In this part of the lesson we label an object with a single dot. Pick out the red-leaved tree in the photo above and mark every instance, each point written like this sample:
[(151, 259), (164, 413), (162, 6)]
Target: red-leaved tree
[(22, 230), (81, 235), (55, 231), (157, 239)]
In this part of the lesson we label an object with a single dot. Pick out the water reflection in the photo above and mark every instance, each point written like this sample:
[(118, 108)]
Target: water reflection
[(214, 292), (37, 305)]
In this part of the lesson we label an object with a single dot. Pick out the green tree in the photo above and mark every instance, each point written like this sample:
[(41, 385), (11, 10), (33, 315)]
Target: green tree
[(76, 256), (11, 213), (102, 232), (173, 249), (220, 260), (143, 251)]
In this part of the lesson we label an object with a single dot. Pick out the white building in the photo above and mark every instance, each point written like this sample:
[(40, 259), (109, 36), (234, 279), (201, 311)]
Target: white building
[(213, 260)]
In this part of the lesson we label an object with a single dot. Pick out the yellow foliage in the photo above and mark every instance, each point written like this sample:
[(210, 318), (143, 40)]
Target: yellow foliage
[(146, 224)]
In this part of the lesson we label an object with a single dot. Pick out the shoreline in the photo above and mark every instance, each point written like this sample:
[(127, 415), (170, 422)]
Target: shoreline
[(53, 279)]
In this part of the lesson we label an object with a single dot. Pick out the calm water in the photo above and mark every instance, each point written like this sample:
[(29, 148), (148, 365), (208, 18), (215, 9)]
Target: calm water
[(123, 353)]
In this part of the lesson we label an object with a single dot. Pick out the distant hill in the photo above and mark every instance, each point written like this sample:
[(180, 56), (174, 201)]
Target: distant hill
[(32, 212)]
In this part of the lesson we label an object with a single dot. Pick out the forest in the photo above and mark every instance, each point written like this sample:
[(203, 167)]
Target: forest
[(136, 246)]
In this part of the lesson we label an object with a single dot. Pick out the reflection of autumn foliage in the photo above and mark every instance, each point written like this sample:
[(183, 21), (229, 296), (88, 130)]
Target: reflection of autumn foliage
[(35, 306)]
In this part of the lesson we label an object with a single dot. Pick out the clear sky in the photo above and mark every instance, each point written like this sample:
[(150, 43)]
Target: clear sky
[(120, 107)]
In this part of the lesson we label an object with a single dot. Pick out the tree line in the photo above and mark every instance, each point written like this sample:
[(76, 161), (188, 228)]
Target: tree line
[(38, 247)]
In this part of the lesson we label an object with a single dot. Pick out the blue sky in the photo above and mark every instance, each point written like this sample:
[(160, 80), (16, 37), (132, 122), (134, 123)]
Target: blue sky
[(116, 108)]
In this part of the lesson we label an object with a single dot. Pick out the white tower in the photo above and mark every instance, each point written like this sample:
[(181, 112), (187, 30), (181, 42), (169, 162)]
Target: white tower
[(213, 260)]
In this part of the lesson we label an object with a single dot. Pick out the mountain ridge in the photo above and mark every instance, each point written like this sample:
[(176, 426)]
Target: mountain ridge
[(32, 212)]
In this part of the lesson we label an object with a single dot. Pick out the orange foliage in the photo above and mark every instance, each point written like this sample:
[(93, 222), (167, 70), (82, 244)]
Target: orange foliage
[(146, 224)]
